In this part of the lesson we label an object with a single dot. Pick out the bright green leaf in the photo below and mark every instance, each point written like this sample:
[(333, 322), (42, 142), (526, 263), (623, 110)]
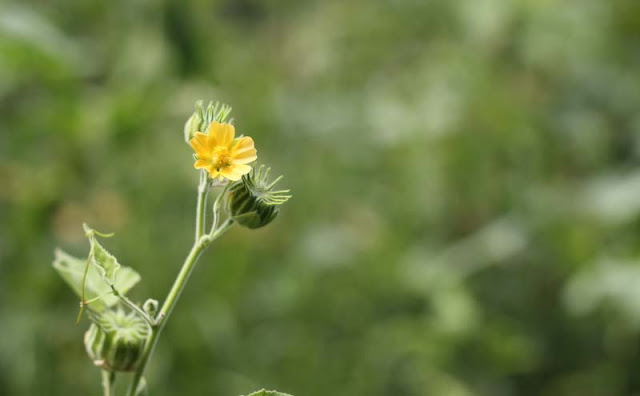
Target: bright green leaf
[(105, 262), (71, 269)]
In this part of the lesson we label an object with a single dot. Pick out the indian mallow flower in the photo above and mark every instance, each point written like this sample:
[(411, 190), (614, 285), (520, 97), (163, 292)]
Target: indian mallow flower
[(221, 154)]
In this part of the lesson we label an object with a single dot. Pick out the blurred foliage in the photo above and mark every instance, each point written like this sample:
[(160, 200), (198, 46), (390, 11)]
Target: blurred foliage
[(466, 211)]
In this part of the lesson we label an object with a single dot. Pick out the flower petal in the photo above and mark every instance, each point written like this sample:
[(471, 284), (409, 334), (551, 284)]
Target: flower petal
[(235, 172), (242, 169), (243, 144), (213, 172), (202, 163), (245, 158), (243, 151), (222, 134), (229, 174), (200, 144)]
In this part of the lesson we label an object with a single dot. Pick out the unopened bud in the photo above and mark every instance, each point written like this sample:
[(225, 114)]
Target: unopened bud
[(253, 202), (115, 340), (193, 124), (203, 116)]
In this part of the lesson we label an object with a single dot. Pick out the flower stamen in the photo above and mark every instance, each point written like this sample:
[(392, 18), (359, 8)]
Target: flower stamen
[(221, 158)]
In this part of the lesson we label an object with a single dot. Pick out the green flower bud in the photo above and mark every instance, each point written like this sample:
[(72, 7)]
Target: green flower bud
[(115, 340), (193, 124), (253, 202), (203, 116)]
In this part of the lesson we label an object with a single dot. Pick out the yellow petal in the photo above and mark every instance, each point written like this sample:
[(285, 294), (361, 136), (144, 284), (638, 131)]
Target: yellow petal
[(229, 174), (213, 172), (243, 144), (200, 145), (250, 152), (202, 164), (245, 158), (243, 151), (242, 169), (235, 172), (222, 134)]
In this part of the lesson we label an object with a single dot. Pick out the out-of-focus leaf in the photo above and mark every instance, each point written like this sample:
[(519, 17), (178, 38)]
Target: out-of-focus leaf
[(609, 282)]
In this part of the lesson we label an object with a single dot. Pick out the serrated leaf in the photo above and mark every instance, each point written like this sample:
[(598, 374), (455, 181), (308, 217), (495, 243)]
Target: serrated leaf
[(105, 262), (264, 392), (71, 269)]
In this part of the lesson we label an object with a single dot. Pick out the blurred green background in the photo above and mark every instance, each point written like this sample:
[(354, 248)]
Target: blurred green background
[(466, 211)]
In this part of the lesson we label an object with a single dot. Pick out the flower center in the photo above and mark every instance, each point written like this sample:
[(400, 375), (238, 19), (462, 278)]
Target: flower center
[(221, 158)]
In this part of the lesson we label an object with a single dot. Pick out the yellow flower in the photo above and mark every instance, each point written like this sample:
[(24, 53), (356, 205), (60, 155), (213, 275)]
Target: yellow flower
[(222, 155)]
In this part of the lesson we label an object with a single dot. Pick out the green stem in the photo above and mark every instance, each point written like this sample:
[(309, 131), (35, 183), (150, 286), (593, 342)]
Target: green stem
[(132, 306), (83, 301), (203, 190), (108, 379), (172, 298)]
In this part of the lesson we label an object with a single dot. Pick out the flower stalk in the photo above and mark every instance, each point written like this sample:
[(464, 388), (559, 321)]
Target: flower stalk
[(108, 382), (203, 191), (179, 284)]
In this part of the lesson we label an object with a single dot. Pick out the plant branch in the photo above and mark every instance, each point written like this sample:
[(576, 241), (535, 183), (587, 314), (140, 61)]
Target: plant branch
[(133, 306), (172, 298)]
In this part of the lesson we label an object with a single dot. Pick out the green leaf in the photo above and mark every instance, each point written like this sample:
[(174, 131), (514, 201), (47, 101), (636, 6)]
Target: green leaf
[(264, 392), (71, 269), (105, 262)]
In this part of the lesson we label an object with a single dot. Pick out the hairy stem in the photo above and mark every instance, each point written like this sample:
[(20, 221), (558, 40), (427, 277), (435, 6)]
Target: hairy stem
[(172, 298), (203, 190), (108, 380), (83, 301), (133, 306)]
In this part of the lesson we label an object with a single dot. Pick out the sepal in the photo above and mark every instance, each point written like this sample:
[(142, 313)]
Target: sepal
[(203, 116)]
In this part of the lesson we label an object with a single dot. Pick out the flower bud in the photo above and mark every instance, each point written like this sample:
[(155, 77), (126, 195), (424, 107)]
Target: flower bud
[(193, 124), (202, 117), (253, 202), (115, 340)]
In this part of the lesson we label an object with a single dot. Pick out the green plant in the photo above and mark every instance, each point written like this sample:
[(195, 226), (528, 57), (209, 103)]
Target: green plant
[(122, 335)]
